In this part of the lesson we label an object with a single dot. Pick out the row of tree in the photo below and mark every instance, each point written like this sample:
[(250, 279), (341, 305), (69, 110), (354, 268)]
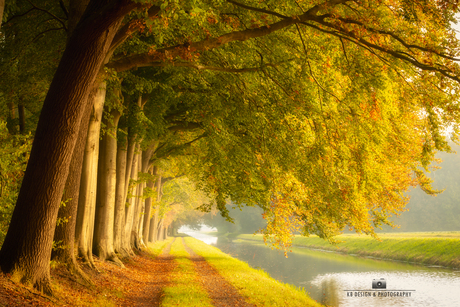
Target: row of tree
[(322, 113)]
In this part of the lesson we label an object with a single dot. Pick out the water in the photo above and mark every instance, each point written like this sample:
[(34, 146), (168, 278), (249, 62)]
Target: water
[(327, 275)]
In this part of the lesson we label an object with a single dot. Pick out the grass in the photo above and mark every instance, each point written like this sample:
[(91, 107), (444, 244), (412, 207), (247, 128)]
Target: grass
[(434, 248), (185, 290), (255, 285), (155, 249)]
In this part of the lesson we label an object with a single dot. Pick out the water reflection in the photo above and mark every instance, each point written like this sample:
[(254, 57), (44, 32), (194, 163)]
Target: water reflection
[(326, 276)]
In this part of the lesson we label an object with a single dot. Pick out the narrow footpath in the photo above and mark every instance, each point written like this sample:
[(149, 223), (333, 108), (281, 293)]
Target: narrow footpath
[(162, 266), (219, 290), (152, 292)]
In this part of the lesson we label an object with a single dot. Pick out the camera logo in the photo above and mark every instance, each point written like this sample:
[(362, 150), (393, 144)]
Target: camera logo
[(379, 283)]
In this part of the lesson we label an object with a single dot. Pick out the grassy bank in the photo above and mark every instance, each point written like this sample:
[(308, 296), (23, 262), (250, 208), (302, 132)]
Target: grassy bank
[(434, 248), (255, 285)]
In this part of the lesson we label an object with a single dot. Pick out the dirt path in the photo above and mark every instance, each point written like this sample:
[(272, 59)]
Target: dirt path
[(219, 290), (159, 270)]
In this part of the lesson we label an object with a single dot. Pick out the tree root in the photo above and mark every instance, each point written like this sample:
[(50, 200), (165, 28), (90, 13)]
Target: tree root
[(37, 290), (113, 258)]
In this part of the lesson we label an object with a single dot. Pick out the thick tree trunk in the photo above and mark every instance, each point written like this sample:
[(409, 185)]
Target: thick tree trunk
[(120, 199), (105, 200), (64, 233), (26, 251), (88, 186)]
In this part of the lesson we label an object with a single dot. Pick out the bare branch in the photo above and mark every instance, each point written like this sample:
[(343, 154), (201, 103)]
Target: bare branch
[(49, 13), (204, 67), (183, 126), (251, 8), (175, 148), (64, 9), (49, 30), (399, 39), (351, 36)]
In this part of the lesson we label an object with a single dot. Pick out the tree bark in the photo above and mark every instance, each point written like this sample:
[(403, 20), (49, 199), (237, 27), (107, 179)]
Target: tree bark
[(11, 117), (153, 235), (22, 118), (153, 226), (87, 195), (26, 251), (65, 232), (161, 230), (148, 209), (120, 199), (105, 200), (131, 202), (135, 242)]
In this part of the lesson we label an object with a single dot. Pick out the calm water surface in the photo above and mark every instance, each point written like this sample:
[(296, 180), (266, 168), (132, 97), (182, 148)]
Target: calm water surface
[(327, 276)]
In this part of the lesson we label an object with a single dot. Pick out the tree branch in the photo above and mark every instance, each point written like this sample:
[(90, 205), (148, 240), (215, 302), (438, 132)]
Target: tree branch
[(351, 36), (183, 126), (49, 30), (64, 9), (251, 8), (128, 29), (172, 52), (49, 13), (174, 148), (396, 37), (204, 67)]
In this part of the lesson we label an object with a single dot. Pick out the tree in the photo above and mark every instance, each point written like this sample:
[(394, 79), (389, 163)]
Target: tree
[(301, 109), (26, 251)]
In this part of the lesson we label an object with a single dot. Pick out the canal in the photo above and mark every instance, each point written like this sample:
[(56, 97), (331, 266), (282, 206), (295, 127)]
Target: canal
[(342, 280)]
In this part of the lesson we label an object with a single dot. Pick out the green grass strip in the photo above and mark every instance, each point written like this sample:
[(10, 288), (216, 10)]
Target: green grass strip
[(429, 248), (185, 290), (255, 285), (155, 249)]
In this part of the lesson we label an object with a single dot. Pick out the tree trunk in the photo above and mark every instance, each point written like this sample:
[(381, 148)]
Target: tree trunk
[(26, 251), (120, 199), (153, 236), (64, 233), (131, 202), (148, 209), (22, 118), (88, 186), (135, 242), (160, 230), (141, 219), (153, 227), (105, 200)]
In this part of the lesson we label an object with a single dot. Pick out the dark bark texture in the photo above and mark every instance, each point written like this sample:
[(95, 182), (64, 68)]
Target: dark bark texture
[(26, 250)]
